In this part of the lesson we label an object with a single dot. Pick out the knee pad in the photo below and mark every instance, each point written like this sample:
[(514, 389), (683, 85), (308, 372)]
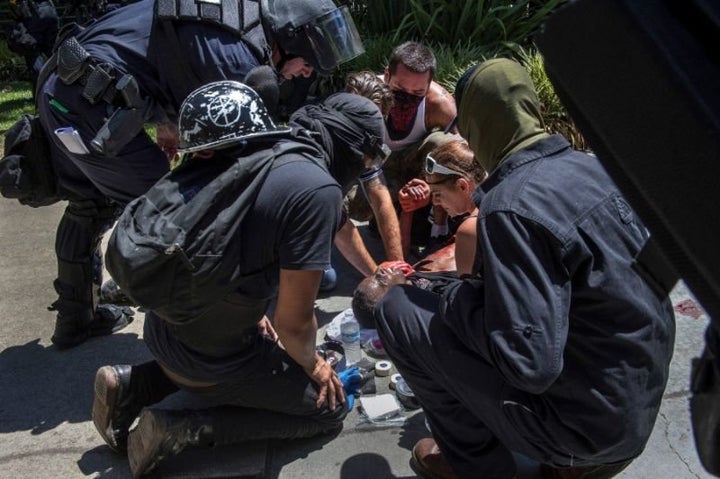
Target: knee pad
[(78, 251)]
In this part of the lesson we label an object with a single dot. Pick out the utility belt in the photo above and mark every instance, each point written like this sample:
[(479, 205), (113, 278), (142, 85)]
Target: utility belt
[(101, 82)]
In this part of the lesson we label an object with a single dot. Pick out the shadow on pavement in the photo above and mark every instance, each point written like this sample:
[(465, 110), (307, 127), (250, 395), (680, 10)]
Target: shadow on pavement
[(364, 465), (282, 452), (44, 387), (412, 431), (103, 462)]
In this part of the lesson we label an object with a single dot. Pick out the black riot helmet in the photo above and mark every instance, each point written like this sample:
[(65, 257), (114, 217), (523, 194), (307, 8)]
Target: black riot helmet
[(323, 34), (222, 114)]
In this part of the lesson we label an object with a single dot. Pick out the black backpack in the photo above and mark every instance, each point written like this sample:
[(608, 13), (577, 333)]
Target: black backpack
[(176, 249)]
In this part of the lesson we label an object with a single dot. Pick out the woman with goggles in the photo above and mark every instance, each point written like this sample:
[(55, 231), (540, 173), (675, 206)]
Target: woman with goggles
[(451, 175)]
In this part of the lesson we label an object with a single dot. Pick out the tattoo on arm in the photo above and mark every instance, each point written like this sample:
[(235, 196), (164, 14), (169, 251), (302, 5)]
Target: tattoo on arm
[(374, 184)]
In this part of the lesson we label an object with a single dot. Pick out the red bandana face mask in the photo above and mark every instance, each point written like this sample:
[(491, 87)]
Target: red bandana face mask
[(402, 114)]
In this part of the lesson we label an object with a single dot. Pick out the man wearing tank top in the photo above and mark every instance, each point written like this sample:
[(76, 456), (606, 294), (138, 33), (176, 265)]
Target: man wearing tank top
[(420, 119)]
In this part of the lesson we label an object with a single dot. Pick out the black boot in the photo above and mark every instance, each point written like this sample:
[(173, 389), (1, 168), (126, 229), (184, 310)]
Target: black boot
[(79, 256), (114, 406), (120, 393), (76, 322), (72, 324), (160, 433)]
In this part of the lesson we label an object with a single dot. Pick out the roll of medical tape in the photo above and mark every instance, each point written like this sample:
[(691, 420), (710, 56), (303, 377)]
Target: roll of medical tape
[(393, 380), (405, 395), (382, 368)]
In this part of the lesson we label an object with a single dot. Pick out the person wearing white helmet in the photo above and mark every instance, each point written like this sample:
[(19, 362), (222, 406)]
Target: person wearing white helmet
[(230, 355)]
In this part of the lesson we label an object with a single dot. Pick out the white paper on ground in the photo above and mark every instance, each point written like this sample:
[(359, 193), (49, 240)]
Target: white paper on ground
[(380, 407)]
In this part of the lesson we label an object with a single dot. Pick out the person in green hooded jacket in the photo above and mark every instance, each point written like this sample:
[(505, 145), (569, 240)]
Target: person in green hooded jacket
[(559, 349)]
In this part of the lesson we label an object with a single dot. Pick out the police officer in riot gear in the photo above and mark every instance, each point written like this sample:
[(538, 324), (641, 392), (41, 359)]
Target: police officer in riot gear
[(134, 66)]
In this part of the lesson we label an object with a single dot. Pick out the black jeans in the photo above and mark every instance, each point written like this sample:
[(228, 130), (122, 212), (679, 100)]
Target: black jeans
[(274, 400), (259, 392)]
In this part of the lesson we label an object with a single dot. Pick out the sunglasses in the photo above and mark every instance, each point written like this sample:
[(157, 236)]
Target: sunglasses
[(433, 167)]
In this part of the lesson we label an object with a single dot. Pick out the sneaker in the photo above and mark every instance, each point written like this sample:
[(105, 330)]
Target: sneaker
[(110, 318), (329, 280), (110, 292), (113, 409), (160, 433)]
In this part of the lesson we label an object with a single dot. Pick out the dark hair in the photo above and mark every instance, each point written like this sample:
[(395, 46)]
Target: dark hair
[(415, 56), (365, 297), (369, 85)]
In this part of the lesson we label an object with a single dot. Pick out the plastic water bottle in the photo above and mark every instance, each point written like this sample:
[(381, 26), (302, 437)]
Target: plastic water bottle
[(350, 334)]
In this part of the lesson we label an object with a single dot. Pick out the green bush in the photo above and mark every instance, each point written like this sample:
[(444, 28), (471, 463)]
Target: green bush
[(554, 114), (460, 33), (493, 25), (452, 60)]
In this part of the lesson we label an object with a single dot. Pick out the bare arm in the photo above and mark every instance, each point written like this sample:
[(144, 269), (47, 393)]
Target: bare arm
[(352, 247), (296, 327), (413, 195), (465, 246), (441, 109), (406, 220), (381, 203)]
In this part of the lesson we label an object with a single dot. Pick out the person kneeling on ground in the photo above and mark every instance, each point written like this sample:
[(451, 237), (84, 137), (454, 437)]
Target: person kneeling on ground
[(371, 185), (451, 175), (230, 355), (560, 349)]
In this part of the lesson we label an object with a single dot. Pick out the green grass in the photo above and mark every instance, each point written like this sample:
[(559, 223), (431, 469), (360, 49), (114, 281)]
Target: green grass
[(15, 99)]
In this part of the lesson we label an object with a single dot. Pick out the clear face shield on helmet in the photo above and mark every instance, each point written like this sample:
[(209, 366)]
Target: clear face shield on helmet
[(334, 39)]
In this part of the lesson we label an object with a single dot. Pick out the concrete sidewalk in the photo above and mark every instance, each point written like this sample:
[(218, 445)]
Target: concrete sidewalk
[(46, 395)]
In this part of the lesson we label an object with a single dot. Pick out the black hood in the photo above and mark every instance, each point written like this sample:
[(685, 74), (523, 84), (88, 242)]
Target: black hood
[(346, 126)]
